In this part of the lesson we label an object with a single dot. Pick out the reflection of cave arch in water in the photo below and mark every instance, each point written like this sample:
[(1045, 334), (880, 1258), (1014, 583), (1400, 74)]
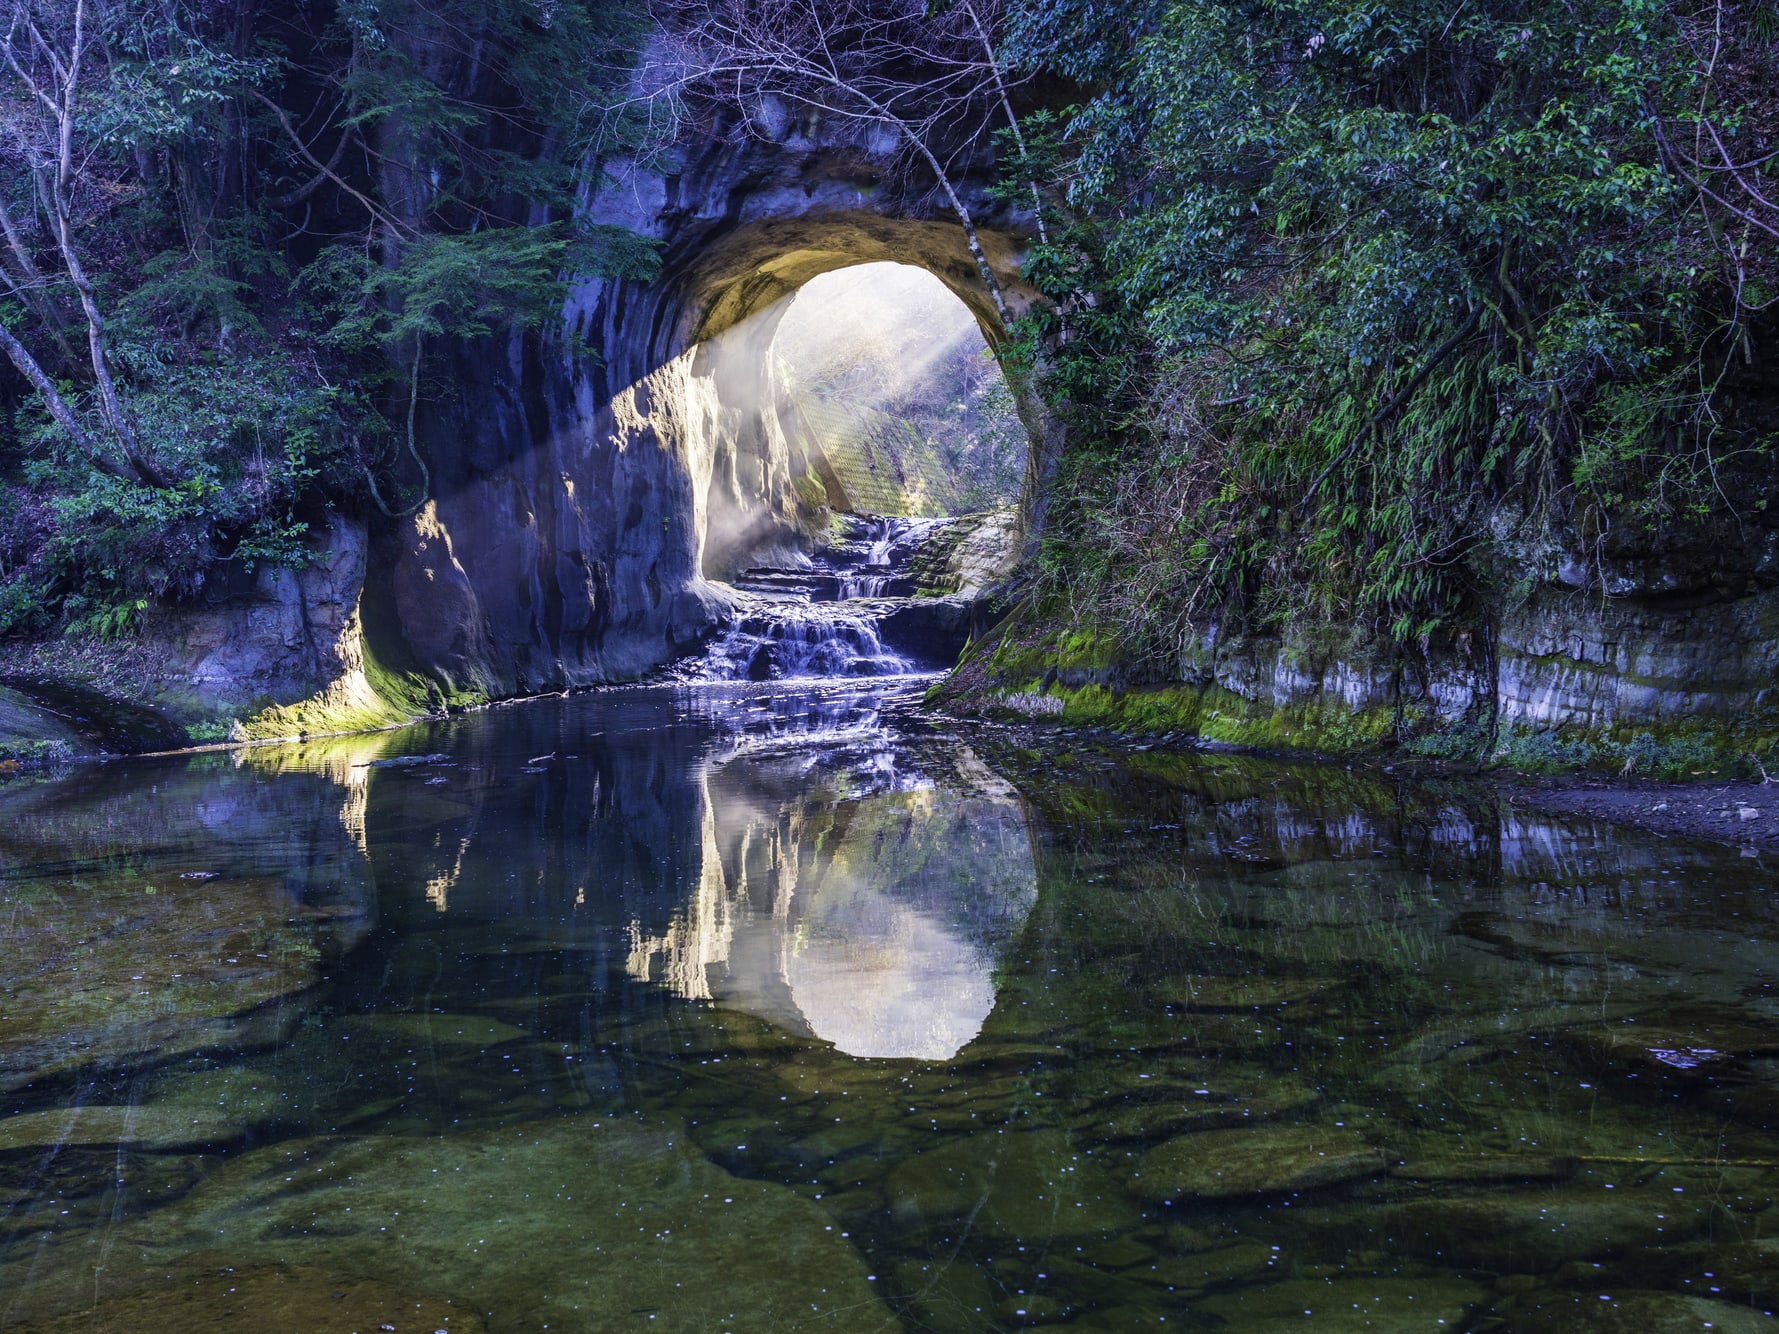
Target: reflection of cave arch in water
[(863, 904)]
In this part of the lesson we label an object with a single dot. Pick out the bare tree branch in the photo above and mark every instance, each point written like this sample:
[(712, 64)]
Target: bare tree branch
[(59, 410), (930, 80), (376, 210), (50, 75)]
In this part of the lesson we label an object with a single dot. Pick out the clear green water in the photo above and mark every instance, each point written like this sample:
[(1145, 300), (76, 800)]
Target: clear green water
[(710, 1009)]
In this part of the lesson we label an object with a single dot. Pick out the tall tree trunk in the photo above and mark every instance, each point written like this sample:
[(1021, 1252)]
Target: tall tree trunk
[(983, 267), (62, 213), (21, 357)]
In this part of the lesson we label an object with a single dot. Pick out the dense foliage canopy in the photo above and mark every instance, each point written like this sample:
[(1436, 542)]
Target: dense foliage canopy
[(1364, 317), (1391, 303), (232, 233)]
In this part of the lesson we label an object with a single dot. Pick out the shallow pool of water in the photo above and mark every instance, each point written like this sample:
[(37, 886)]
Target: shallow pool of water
[(739, 1007)]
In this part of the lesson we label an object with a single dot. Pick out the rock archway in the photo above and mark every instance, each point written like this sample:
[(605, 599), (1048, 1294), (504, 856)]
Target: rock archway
[(581, 479), (572, 475)]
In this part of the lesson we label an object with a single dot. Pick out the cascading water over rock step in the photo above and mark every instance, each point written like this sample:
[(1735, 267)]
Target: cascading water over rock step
[(825, 617)]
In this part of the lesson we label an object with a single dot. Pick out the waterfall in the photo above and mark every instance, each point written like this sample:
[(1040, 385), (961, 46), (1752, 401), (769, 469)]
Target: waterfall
[(822, 617)]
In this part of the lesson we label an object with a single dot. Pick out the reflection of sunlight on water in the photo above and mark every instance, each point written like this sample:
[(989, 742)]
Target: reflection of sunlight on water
[(344, 760), (759, 716), (438, 888), (698, 937), (865, 907)]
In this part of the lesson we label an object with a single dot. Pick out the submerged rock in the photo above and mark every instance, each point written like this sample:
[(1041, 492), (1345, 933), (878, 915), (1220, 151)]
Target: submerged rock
[(439, 1029), (1032, 1309), (1482, 1167), (1695, 1044), (1348, 1303), (207, 1295), (1198, 1107), (1538, 1230), (948, 1295), (1030, 1185), (1631, 1312), (111, 965), (153, 1126), (1244, 1262), (1238, 993), (1747, 1272), (564, 1223), (1223, 1164)]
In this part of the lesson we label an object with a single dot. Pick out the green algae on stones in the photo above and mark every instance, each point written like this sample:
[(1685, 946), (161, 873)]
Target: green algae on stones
[(1538, 1230), (1453, 1167), (1031, 1185), (950, 1295), (445, 1030), (1238, 993), (104, 965), (1214, 1103), (573, 1222), (1244, 1262), (204, 1294), (1631, 1312), (1431, 1304), (1224, 1164), (152, 1126)]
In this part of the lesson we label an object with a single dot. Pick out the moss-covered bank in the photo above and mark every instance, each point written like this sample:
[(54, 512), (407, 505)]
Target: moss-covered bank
[(380, 688), (1026, 669), (72, 698)]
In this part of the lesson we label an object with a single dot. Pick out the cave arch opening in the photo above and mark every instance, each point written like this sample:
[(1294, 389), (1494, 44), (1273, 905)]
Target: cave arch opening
[(860, 442), (597, 496), (872, 389)]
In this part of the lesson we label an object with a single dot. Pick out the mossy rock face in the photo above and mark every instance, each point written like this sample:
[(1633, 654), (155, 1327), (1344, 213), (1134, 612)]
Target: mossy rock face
[(366, 698), (1318, 692), (1082, 677)]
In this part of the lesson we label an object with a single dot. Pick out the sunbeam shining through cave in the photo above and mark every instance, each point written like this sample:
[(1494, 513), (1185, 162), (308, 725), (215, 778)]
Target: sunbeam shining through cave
[(889, 374), (878, 381)]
